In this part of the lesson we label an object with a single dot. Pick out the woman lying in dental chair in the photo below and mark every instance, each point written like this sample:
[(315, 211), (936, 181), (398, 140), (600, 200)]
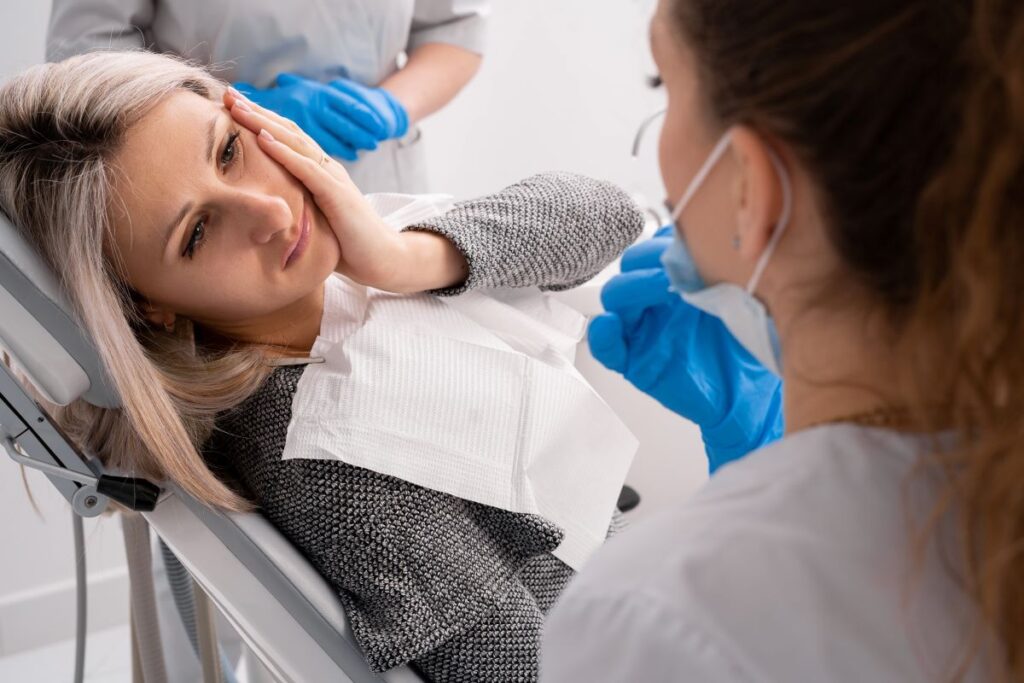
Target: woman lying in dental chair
[(195, 249)]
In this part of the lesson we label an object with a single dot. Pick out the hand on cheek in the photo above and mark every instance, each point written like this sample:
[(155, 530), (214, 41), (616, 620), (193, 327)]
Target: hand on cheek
[(371, 252)]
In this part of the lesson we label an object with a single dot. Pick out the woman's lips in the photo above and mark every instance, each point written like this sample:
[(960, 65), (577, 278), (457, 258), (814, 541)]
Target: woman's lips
[(301, 242)]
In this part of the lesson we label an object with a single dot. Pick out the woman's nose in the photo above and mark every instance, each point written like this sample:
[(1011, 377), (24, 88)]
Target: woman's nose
[(265, 216)]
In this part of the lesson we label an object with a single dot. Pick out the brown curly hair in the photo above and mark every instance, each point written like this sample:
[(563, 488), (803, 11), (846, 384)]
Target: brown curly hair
[(910, 113)]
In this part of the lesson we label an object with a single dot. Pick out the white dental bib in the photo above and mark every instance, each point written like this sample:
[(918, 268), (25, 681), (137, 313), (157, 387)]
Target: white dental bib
[(475, 396)]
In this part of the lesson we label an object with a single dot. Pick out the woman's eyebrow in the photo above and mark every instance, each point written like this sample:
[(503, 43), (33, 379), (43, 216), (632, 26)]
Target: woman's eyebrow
[(211, 136), (173, 227), (211, 146)]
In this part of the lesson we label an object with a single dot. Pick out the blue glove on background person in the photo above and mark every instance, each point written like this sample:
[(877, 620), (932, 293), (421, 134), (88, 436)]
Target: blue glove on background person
[(341, 124), (684, 358), (386, 106)]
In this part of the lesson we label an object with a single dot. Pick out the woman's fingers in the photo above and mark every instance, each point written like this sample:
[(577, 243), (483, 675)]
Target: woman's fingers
[(256, 118), (369, 249), (313, 174), (328, 181), (231, 96), (255, 121)]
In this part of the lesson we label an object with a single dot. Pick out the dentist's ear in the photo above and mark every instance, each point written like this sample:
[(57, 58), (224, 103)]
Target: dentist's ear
[(758, 192)]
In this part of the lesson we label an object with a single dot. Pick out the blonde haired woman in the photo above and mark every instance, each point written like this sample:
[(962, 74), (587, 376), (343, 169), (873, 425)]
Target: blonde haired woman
[(194, 233)]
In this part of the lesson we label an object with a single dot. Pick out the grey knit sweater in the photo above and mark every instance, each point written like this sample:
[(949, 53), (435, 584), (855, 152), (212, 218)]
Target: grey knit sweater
[(454, 588)]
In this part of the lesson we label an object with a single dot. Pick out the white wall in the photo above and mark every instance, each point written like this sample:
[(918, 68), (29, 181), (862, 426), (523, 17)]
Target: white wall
[(24, 31), (562, 87)]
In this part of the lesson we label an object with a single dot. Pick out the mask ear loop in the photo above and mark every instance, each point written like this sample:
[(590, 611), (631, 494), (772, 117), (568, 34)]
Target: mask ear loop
[(780, 226), (702, 174)]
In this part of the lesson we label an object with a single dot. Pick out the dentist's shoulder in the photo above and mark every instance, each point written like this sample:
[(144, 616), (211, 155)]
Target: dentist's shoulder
[(700, 592)]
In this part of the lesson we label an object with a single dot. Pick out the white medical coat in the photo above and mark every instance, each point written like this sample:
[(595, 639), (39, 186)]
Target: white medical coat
[(254, 40), (790, 565)]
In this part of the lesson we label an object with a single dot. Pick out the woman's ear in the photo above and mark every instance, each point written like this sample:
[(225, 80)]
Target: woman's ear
[(758, 192), (158, 316)]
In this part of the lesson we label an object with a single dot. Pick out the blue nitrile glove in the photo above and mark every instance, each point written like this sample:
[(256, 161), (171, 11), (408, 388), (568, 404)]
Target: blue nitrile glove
[(385, 105), (341, 124), (684, 358)]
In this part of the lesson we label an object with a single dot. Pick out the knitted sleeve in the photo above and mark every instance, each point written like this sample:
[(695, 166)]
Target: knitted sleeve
[(553, 231)]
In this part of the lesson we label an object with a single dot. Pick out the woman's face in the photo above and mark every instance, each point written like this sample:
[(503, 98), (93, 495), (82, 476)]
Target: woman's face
[(207, 226)]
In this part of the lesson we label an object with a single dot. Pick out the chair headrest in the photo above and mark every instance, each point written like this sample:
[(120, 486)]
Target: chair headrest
[(39, 330)]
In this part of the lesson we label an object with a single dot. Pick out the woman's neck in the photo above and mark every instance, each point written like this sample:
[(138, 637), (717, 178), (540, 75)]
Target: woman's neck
[(837, 365), (289, 331)]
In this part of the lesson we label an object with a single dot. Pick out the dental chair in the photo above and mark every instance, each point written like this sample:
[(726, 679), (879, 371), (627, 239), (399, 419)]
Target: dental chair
[(286, 613)]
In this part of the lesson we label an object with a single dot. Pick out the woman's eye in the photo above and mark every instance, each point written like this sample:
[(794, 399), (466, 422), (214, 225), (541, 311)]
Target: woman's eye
[(654, 81), (228, 154), (195, 239)]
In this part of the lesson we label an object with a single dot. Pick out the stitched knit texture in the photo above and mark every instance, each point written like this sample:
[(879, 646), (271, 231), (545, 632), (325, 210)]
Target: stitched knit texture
[(457, 589), (553, 231)]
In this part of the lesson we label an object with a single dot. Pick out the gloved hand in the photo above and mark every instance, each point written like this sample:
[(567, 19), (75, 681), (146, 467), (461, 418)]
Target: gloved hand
[(381, 102), (684, 358), (340, 123)]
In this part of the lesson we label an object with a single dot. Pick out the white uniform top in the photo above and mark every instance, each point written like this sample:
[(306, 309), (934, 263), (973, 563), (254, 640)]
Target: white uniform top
[(789, 565), (254, 40)]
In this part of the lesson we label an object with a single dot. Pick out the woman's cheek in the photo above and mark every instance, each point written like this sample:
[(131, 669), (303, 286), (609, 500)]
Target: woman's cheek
[(670, 160)]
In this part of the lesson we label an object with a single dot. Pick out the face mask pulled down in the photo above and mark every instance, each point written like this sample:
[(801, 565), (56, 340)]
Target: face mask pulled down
[(741, 312)]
